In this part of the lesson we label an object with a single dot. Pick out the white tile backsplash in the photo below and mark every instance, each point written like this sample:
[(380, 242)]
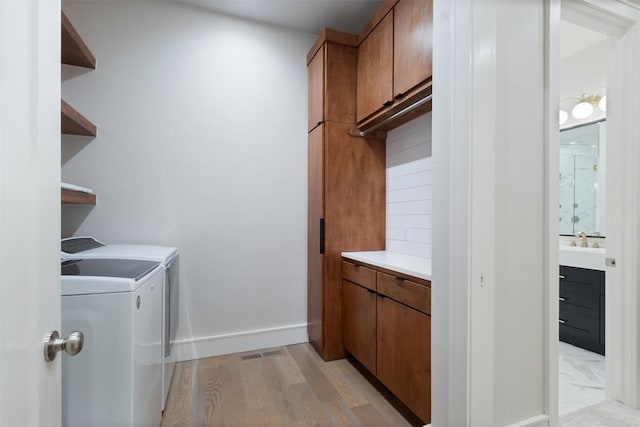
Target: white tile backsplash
[(409, 199)]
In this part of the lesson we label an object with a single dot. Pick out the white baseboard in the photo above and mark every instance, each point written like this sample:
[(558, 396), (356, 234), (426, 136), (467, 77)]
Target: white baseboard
[(538, 420), (236, 342)]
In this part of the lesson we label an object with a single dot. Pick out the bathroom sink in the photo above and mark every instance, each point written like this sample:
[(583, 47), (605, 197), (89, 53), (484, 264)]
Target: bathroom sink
[(576, 256)]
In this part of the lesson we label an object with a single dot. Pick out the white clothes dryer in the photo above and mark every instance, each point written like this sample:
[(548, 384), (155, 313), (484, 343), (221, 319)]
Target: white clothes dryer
[(91, 248), (117, 377)]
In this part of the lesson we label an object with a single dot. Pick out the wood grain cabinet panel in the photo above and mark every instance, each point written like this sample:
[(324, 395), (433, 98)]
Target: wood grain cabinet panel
[(340, 167), (359, 323), (405, 291), (315, 72), (359, 274), (404, 354), (375, 70), (412, 45), (315, 259), (332, 85)]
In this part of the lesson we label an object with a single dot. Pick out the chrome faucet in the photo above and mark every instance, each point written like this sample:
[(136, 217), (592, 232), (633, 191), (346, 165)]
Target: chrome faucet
[(584, 243)]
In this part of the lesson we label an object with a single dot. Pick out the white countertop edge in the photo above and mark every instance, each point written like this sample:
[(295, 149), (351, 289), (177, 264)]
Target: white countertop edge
[(407, 264)]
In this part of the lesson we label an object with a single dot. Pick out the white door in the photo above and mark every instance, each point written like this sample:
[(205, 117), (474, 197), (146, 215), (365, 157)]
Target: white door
[(29, 210)]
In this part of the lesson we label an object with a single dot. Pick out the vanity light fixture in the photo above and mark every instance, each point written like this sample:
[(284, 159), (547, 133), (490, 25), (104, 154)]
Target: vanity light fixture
[(564, 116), (602, 104), (585, 107)]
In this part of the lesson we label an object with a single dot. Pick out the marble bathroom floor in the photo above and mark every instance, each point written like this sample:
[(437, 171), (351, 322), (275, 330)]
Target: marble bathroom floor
[(581, 378)]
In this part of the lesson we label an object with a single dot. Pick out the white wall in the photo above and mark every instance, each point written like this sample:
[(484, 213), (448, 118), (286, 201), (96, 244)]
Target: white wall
[(201, 145), (409, 188)]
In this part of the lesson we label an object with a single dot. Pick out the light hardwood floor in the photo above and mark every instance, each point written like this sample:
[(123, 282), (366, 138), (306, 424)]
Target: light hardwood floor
[(284, 386)]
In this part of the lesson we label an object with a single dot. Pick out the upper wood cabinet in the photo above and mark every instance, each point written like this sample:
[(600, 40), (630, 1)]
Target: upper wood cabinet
[(395, 60), (375, 69), (316, 89), (412, 45), (332, 84)]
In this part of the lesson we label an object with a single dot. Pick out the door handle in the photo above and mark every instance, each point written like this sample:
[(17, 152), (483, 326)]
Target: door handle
[(72, 345), (321, 235)]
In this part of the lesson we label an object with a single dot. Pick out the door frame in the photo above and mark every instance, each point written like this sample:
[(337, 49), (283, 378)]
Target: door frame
[(621, 22)]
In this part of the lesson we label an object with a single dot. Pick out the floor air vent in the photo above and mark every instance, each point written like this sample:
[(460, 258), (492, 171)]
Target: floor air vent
[(251, 356)]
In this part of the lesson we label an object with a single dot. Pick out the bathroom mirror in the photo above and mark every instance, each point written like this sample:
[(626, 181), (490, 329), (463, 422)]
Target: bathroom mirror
[(582, 179)]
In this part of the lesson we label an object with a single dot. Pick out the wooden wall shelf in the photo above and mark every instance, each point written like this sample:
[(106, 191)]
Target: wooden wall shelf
[(77, 197), (74, 123), (74, 50)]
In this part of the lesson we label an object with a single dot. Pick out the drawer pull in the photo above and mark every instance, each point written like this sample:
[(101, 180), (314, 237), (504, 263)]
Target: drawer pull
[(562, 322), (562, 299), (562, 277), (400, 280), (370, 291), (356, 267)]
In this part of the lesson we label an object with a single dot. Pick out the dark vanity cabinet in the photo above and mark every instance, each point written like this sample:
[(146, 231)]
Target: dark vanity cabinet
[(582, 308)]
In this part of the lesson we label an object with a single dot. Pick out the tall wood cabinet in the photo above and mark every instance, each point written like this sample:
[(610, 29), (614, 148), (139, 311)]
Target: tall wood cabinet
[(346, 184)]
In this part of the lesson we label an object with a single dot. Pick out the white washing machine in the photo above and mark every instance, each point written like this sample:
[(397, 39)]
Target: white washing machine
[(90, 248), (117, 377)]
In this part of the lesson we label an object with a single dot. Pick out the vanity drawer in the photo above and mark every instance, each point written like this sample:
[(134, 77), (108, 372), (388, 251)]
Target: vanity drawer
[(359, 274), (583, 279), (405, 291), (582, 331), (574, 297)]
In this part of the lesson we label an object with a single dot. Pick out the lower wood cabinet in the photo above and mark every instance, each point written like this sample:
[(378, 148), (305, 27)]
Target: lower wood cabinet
[(387, 328), (404, 354), (359, 323)]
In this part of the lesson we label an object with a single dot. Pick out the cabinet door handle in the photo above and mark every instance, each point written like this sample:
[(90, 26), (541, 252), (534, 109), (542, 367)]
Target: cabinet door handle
[(562, 277), (562, 322), (562, 299), (399, 96), (322, 235), (319, 123), (388, 103)]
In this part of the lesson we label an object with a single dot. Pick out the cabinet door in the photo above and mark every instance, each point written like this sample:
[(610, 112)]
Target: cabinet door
[(412, 44), (375, 69), (315, 259), (359, 323), (404, 355), (316, 88)]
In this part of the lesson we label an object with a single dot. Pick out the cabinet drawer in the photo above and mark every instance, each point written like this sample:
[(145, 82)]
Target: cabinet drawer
[(578, 324), (574, 297), (582, 278), (359, 274), (405, 291)]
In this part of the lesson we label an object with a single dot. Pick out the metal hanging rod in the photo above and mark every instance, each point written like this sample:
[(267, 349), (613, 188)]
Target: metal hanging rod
[(398, 114)]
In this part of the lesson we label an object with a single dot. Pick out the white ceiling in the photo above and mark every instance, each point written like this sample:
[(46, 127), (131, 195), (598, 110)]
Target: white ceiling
[(574, 38), (305, 15)]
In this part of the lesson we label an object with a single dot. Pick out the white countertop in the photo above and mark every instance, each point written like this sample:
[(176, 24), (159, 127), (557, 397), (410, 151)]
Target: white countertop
[(407, 264)]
